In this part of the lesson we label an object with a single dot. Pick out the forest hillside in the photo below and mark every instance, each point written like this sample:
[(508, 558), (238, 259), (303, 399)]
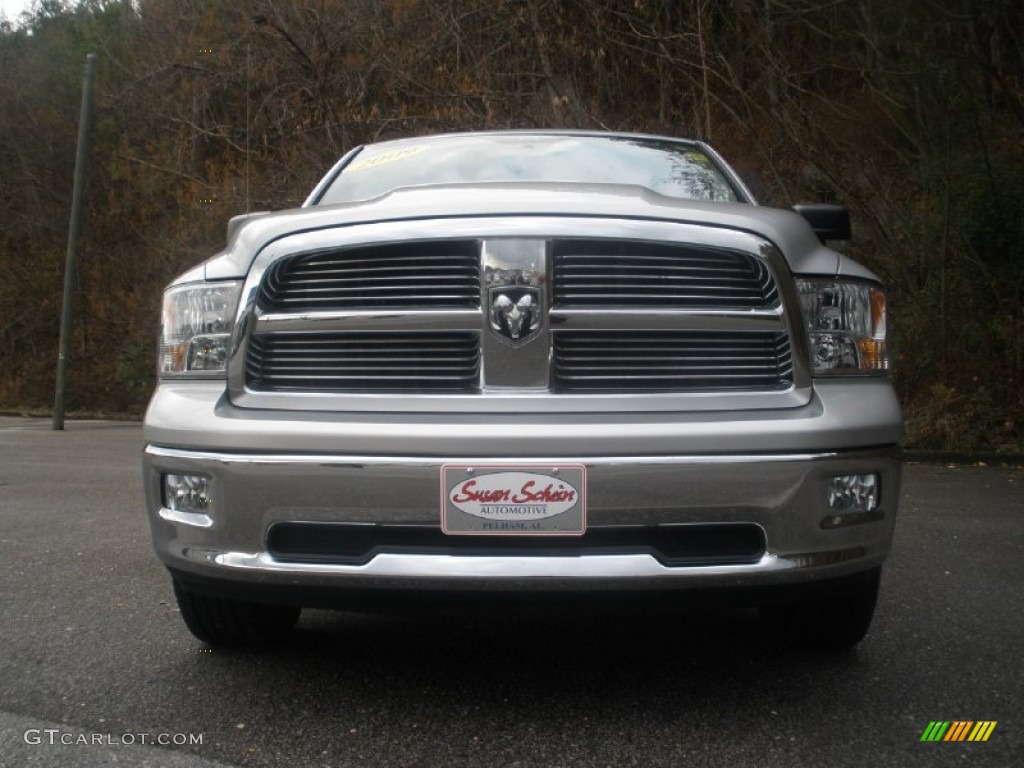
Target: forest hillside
[(909, 112)]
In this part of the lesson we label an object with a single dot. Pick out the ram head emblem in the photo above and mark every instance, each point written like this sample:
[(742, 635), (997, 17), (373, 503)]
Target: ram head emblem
[(516, 312)]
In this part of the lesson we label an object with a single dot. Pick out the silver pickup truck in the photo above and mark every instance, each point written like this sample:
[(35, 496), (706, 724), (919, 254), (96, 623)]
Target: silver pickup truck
[(545, 364)]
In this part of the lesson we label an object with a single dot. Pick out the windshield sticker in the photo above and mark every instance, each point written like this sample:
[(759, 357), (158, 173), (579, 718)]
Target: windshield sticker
[(383, 159), (699, 158)]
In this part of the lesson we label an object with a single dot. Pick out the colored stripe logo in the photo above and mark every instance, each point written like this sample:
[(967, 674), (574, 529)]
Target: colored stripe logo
[(958, 730)]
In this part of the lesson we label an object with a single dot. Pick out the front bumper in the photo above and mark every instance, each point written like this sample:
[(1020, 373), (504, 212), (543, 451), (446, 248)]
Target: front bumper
[(781, 491)]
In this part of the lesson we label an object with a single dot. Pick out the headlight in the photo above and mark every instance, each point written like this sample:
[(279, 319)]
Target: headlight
[(196, 327), (846, 325)]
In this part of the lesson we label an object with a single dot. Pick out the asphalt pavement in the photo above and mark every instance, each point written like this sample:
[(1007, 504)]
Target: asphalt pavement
[(96, 667)]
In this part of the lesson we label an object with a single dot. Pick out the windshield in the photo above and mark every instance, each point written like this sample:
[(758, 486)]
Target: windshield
[(674, 169)]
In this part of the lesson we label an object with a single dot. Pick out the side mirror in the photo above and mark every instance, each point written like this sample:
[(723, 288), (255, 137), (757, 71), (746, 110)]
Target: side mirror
[(829, 222)]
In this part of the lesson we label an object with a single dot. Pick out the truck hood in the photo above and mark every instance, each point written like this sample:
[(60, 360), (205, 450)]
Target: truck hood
[(788, 231)]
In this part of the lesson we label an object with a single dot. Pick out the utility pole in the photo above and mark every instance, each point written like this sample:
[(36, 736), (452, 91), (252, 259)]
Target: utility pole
[(74, 228)]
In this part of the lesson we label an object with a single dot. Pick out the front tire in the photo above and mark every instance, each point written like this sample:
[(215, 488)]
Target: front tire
[(829, 623), (231, 623)]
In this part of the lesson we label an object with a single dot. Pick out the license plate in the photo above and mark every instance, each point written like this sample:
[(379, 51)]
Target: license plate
[(514, 500)]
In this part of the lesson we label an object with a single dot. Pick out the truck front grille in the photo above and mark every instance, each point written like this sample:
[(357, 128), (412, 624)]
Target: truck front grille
[(614, 316), (671, 361), (364, 362)]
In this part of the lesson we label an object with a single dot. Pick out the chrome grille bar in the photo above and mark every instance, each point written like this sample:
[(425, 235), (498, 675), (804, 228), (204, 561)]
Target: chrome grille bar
[(371, 320), (664, 319)]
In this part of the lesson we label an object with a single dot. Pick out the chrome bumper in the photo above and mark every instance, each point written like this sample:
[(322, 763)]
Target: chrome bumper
[(784, 494)]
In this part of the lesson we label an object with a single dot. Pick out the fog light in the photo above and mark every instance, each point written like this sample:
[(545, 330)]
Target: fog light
[(187, 493), (853, 499)]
